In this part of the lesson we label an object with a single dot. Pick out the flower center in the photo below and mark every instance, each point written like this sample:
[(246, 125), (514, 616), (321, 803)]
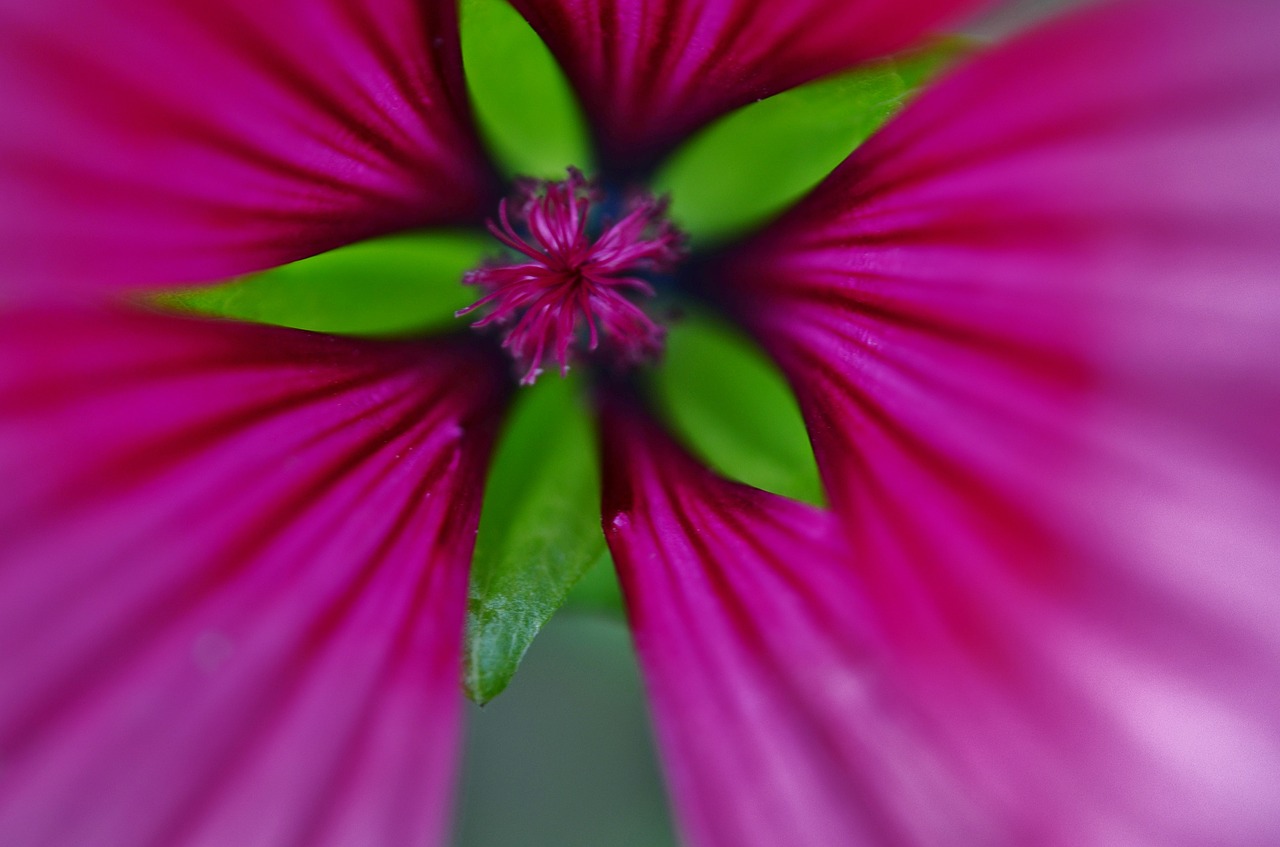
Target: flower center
[(569, 287)]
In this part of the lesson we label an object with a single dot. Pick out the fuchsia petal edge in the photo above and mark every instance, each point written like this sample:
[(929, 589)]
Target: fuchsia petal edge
[(649, 73), (233, 580), (156, 143)]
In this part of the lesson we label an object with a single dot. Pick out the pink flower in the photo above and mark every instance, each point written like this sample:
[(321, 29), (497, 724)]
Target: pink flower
[(1032, 325)]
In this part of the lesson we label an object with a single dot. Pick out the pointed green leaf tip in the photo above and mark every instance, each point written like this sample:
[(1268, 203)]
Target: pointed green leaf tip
[(757, 161), (539, 531), (732, 406), (386, 286), (526, 110)]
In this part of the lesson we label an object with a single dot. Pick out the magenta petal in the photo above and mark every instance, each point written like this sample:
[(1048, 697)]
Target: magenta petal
[(1034, 326), (232, 580), (1045, 296), (797, 705), (155, 142), (746, 621), (651, 71)]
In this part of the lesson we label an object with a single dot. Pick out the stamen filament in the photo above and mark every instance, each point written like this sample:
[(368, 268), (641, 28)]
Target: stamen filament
[(575, 284)]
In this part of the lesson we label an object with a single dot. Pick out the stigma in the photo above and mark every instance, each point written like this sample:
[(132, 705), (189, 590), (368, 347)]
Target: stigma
[(576, 275)]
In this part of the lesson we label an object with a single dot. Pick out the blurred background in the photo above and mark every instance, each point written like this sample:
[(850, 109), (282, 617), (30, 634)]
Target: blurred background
[(564, 758)]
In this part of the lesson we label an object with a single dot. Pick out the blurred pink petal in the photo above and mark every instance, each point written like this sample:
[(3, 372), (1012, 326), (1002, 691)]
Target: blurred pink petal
[(649, 73), (151, 142), (1034, 326), (746, 621), (233, 580), (787, 714)]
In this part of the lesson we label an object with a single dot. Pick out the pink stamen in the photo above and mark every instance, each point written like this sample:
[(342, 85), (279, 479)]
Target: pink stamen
[(572, 294)]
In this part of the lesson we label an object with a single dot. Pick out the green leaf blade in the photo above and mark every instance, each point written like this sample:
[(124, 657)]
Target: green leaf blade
[(385, 286), (527, 112), (539, 532), (750, 165), (730, 403)]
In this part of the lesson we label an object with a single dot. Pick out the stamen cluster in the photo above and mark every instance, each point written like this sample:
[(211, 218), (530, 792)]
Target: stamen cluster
[(573, 291)]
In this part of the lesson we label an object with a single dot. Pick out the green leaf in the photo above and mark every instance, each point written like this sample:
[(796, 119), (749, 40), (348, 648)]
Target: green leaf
[(539, 531), (732, 405), (526, 109), (753, 163), (385, 286)]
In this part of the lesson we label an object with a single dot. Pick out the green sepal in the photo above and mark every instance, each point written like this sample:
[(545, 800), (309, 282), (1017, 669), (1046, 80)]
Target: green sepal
[(385, 286), (748, 166), (731, 404), (539, 530), (527, 112)]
